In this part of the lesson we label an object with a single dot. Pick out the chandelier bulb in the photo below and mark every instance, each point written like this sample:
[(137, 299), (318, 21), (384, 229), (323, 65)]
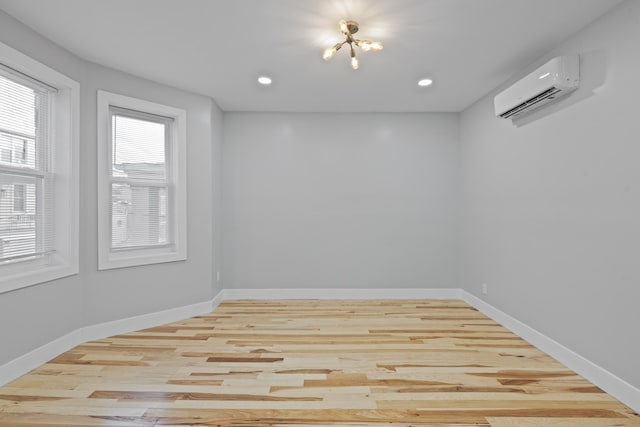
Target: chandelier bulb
[(343, 27), (354, 63), (376, 46), (365, 45), (328, 53)]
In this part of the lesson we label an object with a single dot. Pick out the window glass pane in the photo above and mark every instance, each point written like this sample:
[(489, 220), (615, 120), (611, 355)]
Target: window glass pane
[(18, 123), (19, 201), (138, 215), (17, 151), (26, 196), (18, 216), (17, 108), (137, 148)]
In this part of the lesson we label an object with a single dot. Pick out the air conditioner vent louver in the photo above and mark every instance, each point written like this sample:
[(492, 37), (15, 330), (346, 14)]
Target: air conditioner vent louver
[(555, 79), (547, 94)]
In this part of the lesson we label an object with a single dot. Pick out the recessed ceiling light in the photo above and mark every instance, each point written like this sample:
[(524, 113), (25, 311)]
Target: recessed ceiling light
[(264, 80), (425, 82)]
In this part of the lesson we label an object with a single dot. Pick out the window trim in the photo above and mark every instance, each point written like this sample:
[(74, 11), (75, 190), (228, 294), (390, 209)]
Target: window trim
[(66, 125), (177, 164)]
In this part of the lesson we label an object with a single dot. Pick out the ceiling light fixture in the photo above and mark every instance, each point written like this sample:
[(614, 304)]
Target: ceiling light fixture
[(349, 28), (425, 82), (264, 80)]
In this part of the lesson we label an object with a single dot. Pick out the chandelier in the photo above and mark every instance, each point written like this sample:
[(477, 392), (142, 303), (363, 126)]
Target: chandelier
[(349, 28)]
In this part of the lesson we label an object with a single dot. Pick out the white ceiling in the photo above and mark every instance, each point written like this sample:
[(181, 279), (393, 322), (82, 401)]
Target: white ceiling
[(219, 47)]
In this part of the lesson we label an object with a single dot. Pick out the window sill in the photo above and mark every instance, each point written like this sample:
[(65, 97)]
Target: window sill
[(133, 258), (34, 274)]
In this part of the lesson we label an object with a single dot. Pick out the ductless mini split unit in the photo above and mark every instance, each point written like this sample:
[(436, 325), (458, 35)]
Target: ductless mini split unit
[(555, 79)]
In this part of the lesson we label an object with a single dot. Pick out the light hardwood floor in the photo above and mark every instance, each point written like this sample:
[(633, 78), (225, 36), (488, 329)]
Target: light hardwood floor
[(313, 362)]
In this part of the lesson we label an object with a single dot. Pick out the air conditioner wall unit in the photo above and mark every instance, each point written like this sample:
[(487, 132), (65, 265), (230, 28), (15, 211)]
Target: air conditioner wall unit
[(555, 79)]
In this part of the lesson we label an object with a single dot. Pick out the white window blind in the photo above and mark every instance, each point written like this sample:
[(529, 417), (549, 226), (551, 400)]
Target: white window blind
[(140, 174), (27, 226)]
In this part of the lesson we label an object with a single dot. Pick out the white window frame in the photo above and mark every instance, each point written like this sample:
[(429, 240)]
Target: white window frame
[(177, 165), (65, 131)]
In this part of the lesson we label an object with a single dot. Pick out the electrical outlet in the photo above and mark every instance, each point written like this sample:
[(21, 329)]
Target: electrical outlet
[(485, 289)]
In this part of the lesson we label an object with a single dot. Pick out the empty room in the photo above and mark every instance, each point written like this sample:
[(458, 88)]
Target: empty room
[(295, 213)]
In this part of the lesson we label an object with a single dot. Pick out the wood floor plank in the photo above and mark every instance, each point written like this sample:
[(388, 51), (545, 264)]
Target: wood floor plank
[(294, 363)]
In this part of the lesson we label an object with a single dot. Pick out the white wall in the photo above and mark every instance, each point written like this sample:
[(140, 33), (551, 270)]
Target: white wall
[(35, 316), (550, 208), (339, 200)]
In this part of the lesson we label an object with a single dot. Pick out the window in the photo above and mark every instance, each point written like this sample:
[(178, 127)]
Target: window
[(38, 172), (142, 182)]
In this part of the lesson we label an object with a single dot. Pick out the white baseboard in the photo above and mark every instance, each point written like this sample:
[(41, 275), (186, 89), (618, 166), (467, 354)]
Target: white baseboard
[(41, 355), (353, 293), (144, 321), (216, 300), (615, 386)]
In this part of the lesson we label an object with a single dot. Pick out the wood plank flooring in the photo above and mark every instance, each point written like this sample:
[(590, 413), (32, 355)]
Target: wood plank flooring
[(307, 363)]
